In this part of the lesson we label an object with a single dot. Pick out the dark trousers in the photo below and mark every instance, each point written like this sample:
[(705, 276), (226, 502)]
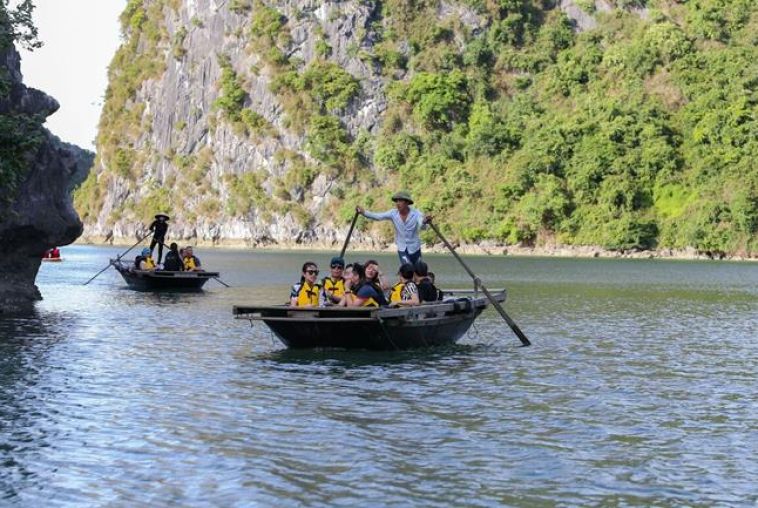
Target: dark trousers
[(159, 242), (411, 258)]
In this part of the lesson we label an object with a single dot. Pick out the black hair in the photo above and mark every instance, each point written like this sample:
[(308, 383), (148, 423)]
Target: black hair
[(406, 271), (360, 270), (174, 247), (421, 269), (305, 267), (431, 276)]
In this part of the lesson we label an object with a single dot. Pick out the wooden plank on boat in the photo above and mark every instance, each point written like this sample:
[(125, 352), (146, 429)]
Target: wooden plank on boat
[(256, 317), (294, 312)]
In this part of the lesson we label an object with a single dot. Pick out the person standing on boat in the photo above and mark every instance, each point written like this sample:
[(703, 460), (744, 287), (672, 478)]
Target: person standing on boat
[(306, 292), (407, 221), (333, 285), (159, 227)]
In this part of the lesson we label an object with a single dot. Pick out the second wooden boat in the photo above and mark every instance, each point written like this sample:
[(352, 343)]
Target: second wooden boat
[(160, 280)]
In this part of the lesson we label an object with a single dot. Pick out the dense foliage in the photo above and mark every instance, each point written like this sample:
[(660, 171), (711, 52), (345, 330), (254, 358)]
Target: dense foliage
[(20, 134), (639, 133), (518, 126)]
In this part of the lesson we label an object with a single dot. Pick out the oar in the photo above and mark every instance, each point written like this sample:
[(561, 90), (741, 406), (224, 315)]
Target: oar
[(221, 281), (117, 258), (478, 283), (217, 279), (349, 234)]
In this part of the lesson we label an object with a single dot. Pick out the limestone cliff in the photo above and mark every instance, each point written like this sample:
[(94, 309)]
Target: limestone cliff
[(623, 124), (39, 171)]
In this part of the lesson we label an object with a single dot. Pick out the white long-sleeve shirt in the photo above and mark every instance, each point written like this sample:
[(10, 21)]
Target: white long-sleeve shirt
[(406, 232)]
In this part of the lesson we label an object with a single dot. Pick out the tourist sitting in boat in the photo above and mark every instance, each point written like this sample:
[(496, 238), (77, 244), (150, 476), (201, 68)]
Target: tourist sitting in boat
[(362, 292), (173, 262), (190, 261), (333, 285), (144, 261), (427, 291), (405, 292), (375, 276), (432, 278), (306, 292)]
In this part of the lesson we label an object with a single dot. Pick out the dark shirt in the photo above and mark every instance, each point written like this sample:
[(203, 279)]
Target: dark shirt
[(172, 262), (139, 259), (427, 292), (369, 290), (159, 227)]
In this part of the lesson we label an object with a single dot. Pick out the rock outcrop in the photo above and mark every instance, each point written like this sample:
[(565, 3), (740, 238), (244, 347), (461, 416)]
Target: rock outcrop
[(36, 211)]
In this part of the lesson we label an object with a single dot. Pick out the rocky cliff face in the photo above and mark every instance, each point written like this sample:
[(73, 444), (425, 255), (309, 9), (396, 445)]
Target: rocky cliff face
[(36, 211), (252, 114), (520, 122)]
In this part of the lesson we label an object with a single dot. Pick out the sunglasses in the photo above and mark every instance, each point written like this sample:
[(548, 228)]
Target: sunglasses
[(338, 266), (312, 272)]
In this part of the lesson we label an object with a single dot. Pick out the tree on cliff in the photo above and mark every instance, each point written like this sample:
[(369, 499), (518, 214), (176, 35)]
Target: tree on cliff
[(16, 25), (20, 133)]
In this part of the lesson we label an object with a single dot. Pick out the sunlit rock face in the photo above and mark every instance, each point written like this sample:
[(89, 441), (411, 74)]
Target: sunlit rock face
[(38, 214)]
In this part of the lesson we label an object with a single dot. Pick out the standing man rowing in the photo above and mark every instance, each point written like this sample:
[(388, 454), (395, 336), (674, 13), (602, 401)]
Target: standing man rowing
[(407, 221)]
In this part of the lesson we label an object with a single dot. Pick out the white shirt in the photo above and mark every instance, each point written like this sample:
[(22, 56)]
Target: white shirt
[(406, 232)]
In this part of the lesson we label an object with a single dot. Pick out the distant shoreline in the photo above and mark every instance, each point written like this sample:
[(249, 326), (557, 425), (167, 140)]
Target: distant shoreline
[(481, 249)]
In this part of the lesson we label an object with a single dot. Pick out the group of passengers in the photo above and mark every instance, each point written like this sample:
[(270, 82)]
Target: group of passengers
[(177, 260), (364, 285)]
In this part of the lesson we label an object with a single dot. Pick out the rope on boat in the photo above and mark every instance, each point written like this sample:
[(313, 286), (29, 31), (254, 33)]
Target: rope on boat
[(475, 335), (386, 335)]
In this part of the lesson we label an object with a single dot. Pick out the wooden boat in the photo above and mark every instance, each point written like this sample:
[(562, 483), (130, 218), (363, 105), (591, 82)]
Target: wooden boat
[(161, 280), (52, 260), (383, 328)]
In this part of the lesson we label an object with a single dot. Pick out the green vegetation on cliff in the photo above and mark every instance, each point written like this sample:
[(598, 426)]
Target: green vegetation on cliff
[(514, 125), (20, 133), (639, 133)]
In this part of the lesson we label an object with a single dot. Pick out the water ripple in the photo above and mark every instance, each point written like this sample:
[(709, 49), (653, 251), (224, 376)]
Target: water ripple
[(638, 390)]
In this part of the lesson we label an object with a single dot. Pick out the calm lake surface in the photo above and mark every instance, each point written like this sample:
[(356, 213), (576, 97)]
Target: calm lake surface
[(640, 389)]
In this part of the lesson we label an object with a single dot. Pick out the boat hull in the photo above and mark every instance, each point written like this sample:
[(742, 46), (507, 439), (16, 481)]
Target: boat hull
[(371, 335), (423, 326)]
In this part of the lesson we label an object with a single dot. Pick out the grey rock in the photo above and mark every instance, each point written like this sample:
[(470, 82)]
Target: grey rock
[(41, 214)]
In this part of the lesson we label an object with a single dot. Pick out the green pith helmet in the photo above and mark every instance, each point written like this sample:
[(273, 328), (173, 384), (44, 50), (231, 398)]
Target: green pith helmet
[(405, 196)]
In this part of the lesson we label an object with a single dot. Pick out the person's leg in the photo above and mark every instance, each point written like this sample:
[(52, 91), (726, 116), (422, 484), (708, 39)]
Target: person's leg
[(403, 255), (414, 257), (160, 250), (153, 242)]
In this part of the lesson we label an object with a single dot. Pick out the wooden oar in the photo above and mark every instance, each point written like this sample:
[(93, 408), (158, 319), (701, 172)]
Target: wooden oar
[(217, 279), (349, 234), (118, 258), (478, 283)]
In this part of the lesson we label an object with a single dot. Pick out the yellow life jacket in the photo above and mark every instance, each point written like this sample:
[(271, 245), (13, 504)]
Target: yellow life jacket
[(369, 302), (189, 263), (337, 288), (149, 263), (308, 295), (397, 292)]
